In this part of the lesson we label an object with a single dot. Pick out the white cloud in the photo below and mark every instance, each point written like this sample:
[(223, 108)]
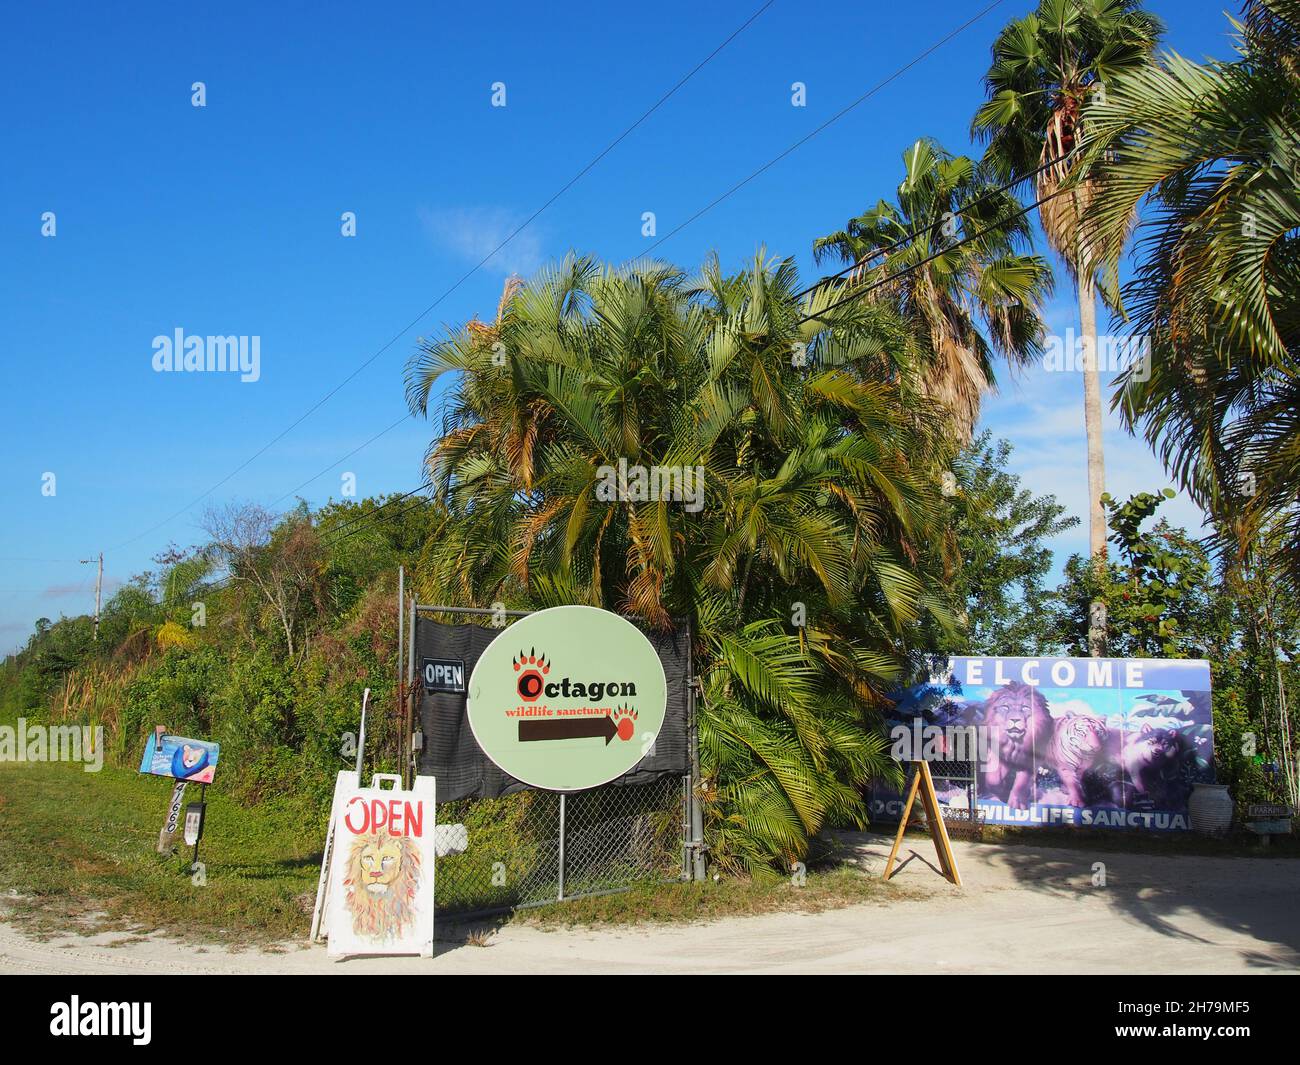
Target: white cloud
[(476, 232)]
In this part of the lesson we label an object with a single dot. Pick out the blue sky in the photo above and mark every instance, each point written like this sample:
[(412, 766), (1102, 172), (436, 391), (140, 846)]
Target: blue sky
[(226, 219)]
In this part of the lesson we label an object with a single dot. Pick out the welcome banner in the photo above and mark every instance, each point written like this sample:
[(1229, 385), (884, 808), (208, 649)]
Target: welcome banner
[(1095, 742)]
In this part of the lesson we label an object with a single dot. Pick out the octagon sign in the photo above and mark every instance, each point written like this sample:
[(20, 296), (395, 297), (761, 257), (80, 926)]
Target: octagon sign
[(568, 698)]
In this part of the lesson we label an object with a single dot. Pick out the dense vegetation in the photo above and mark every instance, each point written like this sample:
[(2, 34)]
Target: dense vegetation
[(845, 524), (270, 659)]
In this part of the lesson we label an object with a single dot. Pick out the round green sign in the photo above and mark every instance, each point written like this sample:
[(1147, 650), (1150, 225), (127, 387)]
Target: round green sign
[(568, 698)]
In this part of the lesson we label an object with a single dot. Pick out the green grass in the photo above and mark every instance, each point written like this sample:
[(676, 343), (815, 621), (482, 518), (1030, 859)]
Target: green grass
[(78, 846), (831, 887), (78, 850)]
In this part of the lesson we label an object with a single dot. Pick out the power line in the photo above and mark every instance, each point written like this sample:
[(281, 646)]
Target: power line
[(464, 277), (405, 510), (729, 192), (355, 450), (332, 536), (338, 533), (829, 122), (663, 99), (890, 248), (860, 292), (362, 447), (835, 118), (370, 513)]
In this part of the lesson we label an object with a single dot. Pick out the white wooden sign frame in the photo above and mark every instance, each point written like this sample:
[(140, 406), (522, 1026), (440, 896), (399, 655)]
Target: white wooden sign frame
[(376, 890)]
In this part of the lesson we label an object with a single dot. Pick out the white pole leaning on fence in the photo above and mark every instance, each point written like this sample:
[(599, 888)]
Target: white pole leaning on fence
[(412, 707), (361, 741), (400, 693)]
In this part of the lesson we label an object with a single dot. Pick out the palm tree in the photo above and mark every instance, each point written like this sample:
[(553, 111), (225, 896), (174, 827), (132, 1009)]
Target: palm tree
[(1046, 66), (1214, 152), (950, 281), (793, 562)]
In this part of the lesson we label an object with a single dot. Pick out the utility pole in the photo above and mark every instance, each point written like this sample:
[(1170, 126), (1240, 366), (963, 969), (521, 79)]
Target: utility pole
[(99, 585)]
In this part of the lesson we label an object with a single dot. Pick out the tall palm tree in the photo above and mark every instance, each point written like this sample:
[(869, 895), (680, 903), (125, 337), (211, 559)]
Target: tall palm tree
[(1213, 151), (960, 271), (793, 563), (1045, 68)]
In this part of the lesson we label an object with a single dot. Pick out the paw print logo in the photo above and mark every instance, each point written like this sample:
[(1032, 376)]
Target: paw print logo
[(531, 668), (625, 720)]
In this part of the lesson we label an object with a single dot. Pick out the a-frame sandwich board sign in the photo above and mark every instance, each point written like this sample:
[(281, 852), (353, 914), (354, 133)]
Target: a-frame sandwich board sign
[(923, 782)]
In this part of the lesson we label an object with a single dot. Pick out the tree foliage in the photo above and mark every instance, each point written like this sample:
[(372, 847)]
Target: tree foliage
[(1211, 153), (796, 565), (950, 255)]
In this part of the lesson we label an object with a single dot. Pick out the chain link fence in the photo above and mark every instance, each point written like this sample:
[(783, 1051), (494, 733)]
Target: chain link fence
[(536, 847), (957, 785)]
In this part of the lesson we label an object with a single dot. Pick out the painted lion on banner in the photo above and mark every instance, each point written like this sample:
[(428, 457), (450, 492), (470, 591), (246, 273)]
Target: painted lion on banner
[(1020, 726), (382, 883)]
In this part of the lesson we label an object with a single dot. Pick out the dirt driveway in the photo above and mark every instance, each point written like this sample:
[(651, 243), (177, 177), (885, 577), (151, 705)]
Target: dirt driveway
[(1023, 909)]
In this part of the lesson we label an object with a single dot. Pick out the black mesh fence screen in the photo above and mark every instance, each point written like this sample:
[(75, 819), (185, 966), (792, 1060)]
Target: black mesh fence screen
[(527, 846), (450, 752)]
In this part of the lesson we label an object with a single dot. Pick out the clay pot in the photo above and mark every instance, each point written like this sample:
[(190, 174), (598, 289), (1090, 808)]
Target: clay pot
[(1211, 809)]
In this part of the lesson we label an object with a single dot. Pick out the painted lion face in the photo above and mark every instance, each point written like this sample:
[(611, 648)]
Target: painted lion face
[(382, 885), (187, 760), (381, 864), (1017, 710)]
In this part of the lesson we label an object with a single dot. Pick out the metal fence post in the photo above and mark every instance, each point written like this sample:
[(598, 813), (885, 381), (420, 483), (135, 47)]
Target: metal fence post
[(412, 708), (560, 896), (693, 807), (403, 705), (685, 828)]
